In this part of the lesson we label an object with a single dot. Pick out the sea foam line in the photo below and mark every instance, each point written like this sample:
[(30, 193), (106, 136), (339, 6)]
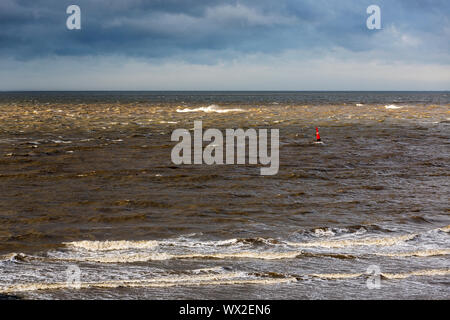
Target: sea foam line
[(209, 109), (145, 257), (393, 276), (387, 241), (203, 280), (418, 253), (199, 280), (156, 256), (111, 245), (392, 107), (332, 243)]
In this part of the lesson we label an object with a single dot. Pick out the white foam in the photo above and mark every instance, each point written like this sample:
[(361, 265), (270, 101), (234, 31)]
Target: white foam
[(209, 109), (323, 232), (393, 107), (160, 256), (9, 257), (111, 245), (417, 253), (404, 275), (418, 273), (388, 241), (197, 280), (182, 241)]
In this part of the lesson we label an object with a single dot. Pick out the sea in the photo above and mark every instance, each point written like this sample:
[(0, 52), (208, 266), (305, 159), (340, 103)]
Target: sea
[(92, 206)]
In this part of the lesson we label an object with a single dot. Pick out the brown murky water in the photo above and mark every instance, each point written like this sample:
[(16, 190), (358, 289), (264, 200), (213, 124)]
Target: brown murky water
[(86, 180)]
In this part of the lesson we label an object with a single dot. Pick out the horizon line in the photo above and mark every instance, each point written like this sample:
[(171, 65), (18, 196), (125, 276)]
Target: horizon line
[(173, 90)]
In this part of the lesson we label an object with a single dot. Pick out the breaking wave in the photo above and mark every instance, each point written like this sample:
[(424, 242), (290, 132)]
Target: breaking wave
[(393, 107), (233, 278), (419, 253), (211, 108), (387, 241), (403, 275), (182, 248), (137, 264), (196, 279), (111, 245)]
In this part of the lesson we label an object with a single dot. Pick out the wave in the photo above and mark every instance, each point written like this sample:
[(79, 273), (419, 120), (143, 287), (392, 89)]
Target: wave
[(234, 278), (231, 278), (123, 258), (419, 273), (210, 108), (336, 275), (129, 251), (393, 276), (166, 249), (148, 244), (393, 107), (419, 253), (111, 245), (158, 256), (327, 232), (186, 242), (12, 257), (387, 241)]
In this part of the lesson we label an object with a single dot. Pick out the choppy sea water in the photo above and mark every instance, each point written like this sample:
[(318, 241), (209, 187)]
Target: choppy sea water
[(86, 181)]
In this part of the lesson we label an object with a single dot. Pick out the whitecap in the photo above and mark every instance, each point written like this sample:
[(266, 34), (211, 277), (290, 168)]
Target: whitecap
[(393, 107), (209, 109)]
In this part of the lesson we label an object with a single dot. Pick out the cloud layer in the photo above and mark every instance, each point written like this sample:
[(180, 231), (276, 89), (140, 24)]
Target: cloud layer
[(268, 37)]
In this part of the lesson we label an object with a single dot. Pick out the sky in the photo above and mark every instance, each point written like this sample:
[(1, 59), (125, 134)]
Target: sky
[(225, 45)]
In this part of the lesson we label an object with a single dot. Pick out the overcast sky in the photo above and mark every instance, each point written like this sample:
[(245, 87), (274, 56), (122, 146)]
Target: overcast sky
[(224, 45)]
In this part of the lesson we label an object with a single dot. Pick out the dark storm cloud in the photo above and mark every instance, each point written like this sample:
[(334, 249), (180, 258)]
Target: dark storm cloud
[(182, 28)]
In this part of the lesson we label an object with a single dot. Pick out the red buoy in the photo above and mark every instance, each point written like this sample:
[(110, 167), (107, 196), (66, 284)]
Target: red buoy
[(318, 135)]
